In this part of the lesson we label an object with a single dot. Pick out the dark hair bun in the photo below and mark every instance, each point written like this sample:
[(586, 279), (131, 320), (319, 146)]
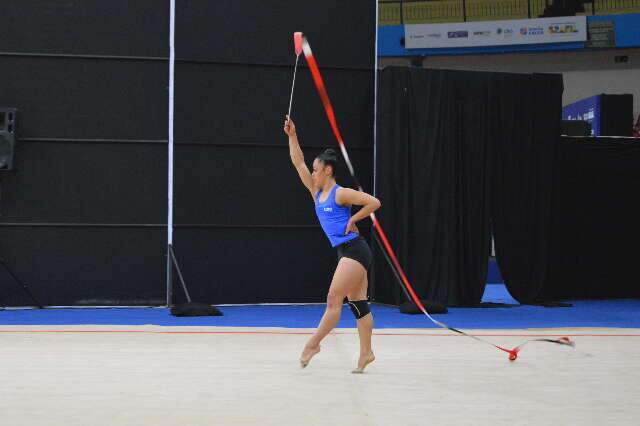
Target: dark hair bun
[(330, 152), (329, 158)]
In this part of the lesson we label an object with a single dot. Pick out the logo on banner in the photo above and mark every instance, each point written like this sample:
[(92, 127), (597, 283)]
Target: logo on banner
[(434, 35), (504, 31), (482, 33), (532, 31), (458, 34), (562, 28)]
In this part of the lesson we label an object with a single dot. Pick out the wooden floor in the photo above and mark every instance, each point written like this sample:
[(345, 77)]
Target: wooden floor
[(149, 375)]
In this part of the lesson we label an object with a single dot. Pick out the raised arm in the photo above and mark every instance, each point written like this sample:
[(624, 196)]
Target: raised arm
[(297, 158)]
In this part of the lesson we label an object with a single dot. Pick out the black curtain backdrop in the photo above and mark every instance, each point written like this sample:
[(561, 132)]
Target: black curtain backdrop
[(431, 177), (449, 166), (595, 228), (523, 141)]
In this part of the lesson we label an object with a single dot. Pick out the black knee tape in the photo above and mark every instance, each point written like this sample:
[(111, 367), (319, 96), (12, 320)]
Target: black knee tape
[(360, 308)]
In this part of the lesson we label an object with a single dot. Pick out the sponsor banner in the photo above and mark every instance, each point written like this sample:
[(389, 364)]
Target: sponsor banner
[(496, 33)]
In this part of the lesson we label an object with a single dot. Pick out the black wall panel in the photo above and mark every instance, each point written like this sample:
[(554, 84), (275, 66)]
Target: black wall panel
[(84, 265), (247, 104), (86, 27), (83, 219), (86, 98), (255, 265), (254, 31), (249, 186), (87, 183)]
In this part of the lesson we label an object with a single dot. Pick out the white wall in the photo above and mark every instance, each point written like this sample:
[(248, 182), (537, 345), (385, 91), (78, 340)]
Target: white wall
[(582, 84), (586, 73)]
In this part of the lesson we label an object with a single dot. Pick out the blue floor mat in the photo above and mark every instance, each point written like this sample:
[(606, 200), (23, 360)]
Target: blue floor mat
[(601, 313)]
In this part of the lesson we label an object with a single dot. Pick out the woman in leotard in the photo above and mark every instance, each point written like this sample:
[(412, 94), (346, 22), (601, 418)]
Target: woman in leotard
[(333, 208)]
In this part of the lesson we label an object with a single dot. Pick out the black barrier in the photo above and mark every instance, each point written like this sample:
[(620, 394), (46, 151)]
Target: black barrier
[(596, 221)]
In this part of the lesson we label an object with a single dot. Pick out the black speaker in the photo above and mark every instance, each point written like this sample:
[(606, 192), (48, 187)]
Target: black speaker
[(7, 137), (616, 115)]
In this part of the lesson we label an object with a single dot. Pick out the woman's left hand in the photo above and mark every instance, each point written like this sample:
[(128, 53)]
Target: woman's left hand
[(351, 227)]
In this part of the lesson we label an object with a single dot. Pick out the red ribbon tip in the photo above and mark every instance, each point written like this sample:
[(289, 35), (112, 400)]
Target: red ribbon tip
[(297, 42)]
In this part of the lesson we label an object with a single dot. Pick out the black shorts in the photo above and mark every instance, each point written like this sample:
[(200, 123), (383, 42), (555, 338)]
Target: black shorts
[(356, 249)]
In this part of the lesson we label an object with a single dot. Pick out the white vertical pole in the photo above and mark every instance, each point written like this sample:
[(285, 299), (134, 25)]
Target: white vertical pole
[(172, 27), (375, 99), (372, 288)]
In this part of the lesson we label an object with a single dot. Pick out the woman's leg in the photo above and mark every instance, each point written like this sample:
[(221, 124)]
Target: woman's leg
[(365, 327), (348, 275)]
